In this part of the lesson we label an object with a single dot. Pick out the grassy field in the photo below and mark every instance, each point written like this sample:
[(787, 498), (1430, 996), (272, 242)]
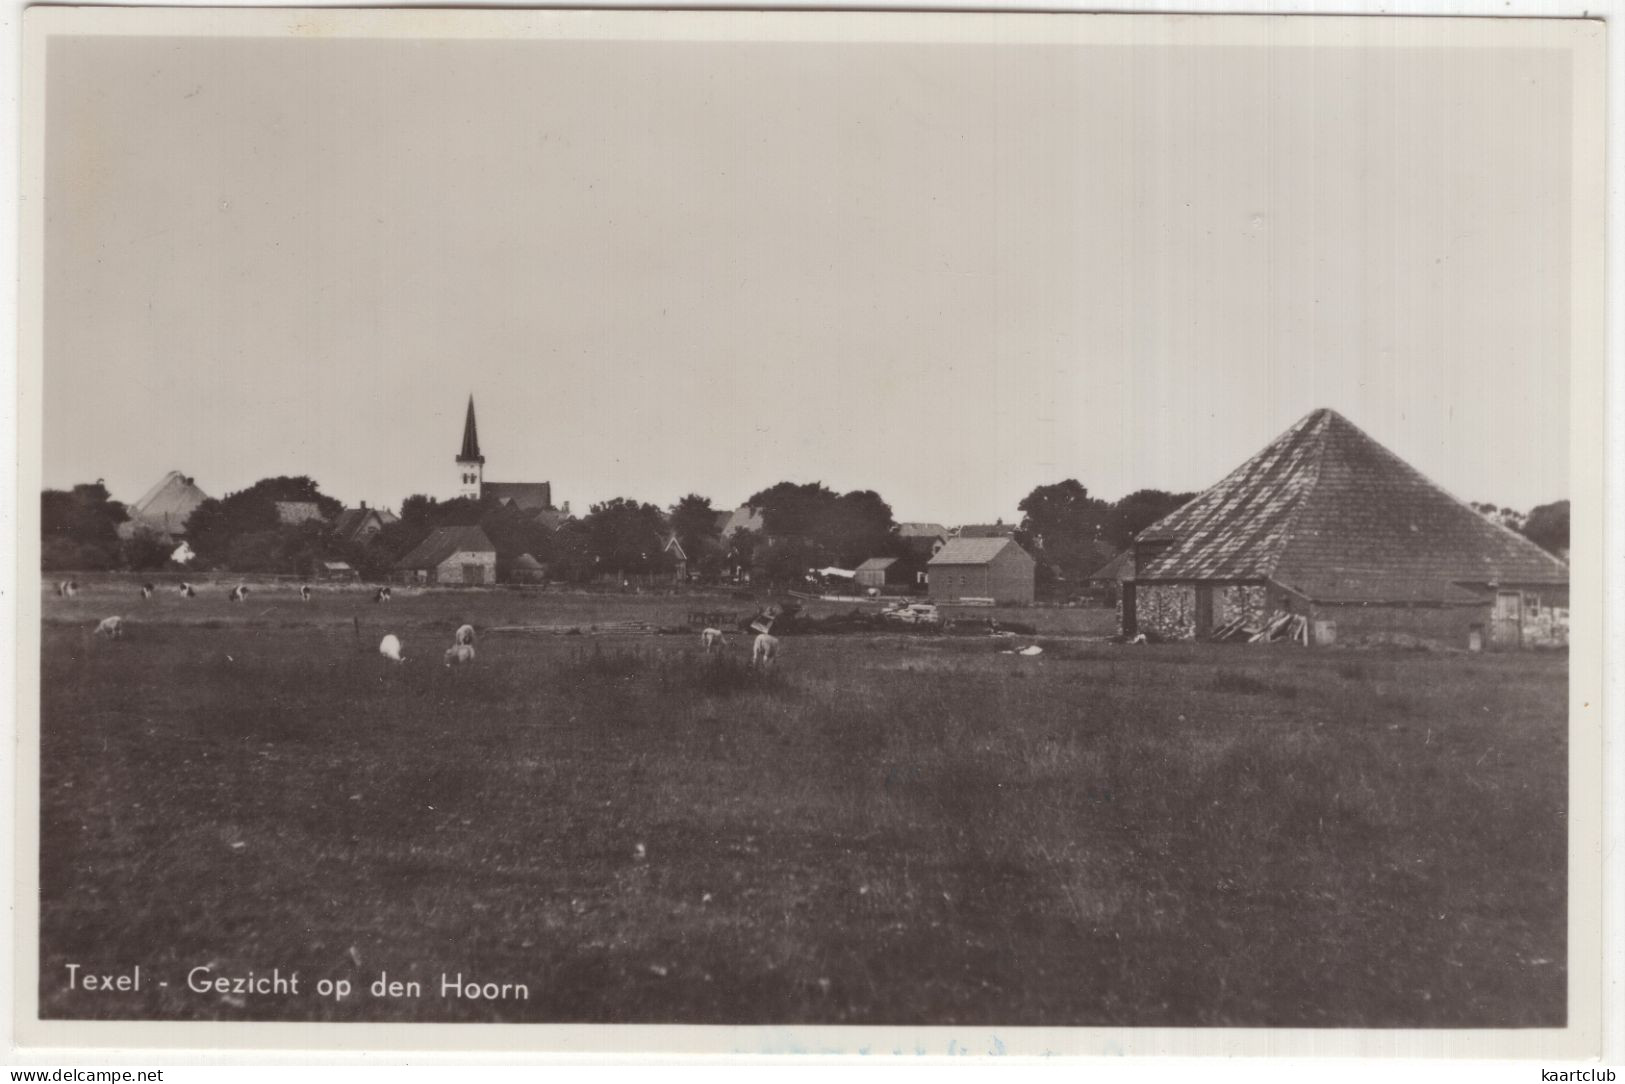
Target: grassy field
[(889, 829)]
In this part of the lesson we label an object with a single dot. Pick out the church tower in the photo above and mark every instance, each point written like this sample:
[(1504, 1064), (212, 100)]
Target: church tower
[(470, 463)]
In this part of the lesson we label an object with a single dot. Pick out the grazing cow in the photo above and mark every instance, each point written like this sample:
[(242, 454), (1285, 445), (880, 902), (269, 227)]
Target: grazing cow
[(766, 650), (711, 640), (186, 591), (390, 648), (459, 654), (111, 627), (304, 592), (68, 588), (239, 593), (383, 595), (146, 590)]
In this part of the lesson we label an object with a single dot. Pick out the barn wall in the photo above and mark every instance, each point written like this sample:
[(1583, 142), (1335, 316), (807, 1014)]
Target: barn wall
[(1010, 576), (450, 571), (1546, 617), (950, 582), (1245, 601), (1443, 626), (1166, 610)]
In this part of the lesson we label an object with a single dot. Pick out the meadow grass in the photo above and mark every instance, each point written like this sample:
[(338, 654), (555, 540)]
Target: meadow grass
[(886, 829)]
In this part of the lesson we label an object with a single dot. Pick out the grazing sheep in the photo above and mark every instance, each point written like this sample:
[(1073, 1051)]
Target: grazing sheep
[(146, 590), (766, 650), (111, 627), (304, 592), (459, 654), (239, 593), (711, 640), (465, 635), (390, 648)]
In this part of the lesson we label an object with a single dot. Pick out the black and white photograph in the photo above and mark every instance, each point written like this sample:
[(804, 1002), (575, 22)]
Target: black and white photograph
[(811, 523)]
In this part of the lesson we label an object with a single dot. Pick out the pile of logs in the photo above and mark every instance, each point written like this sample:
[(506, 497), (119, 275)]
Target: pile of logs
[(1290, 628)]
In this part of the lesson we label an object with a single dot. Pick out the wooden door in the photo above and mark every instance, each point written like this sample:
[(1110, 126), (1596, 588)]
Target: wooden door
[(1507, 628)]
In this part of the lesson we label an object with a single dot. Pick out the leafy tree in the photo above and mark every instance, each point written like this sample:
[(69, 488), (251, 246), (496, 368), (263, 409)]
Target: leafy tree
[(220, 529), (857, 526), (1548, 527), (571, 557), (1137, 511), (845, 528), (625, 536), (79, 528), (695, 523), (1060, 526), (790, 510), (145, 551)]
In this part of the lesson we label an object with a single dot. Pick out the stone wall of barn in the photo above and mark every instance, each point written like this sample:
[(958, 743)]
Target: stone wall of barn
[(1166, 610), (1404, 626), (1248, 601), (450, 571), (1546, 617)]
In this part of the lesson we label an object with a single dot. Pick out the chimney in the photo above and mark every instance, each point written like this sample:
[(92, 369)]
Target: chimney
[(566, 508), (363, 506)]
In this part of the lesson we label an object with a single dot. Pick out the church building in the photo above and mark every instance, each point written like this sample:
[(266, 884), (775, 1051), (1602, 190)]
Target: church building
[(525, 496)]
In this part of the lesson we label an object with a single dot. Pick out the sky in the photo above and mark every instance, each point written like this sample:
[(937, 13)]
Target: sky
[(945, 272)]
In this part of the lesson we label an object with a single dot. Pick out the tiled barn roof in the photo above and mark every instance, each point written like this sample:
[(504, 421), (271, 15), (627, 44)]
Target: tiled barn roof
[(1327, 511), (443, 542)]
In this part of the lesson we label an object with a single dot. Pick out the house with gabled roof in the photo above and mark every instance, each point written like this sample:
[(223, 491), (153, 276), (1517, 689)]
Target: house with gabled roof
[(457, 556), (982, 568), (1327, 525)]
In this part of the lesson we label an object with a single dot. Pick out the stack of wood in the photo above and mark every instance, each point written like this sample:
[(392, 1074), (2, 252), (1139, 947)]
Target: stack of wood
[(1293, 628), (1239, 629)]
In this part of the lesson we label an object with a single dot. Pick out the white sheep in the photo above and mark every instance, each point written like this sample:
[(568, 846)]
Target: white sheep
[(304, 592), (465, 635), (390, 648), (459, 654), (111, 627), (239, 593), (766, 650), (711, 640)]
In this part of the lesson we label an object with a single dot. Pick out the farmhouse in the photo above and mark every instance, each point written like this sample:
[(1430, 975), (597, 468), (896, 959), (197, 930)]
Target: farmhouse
[(1327, 527), (165, 507), (526, 496), (360, 524), (995, 568), (451, 555)]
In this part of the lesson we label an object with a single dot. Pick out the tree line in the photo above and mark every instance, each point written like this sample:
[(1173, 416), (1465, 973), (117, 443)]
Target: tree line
[(803, 526)]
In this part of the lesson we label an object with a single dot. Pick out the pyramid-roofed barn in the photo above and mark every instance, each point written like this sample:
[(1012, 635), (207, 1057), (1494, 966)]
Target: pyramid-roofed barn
[(1326, 511), (167, 505)]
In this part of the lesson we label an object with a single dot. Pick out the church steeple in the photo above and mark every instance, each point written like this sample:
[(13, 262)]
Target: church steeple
[(470, 463), (471, 438)]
